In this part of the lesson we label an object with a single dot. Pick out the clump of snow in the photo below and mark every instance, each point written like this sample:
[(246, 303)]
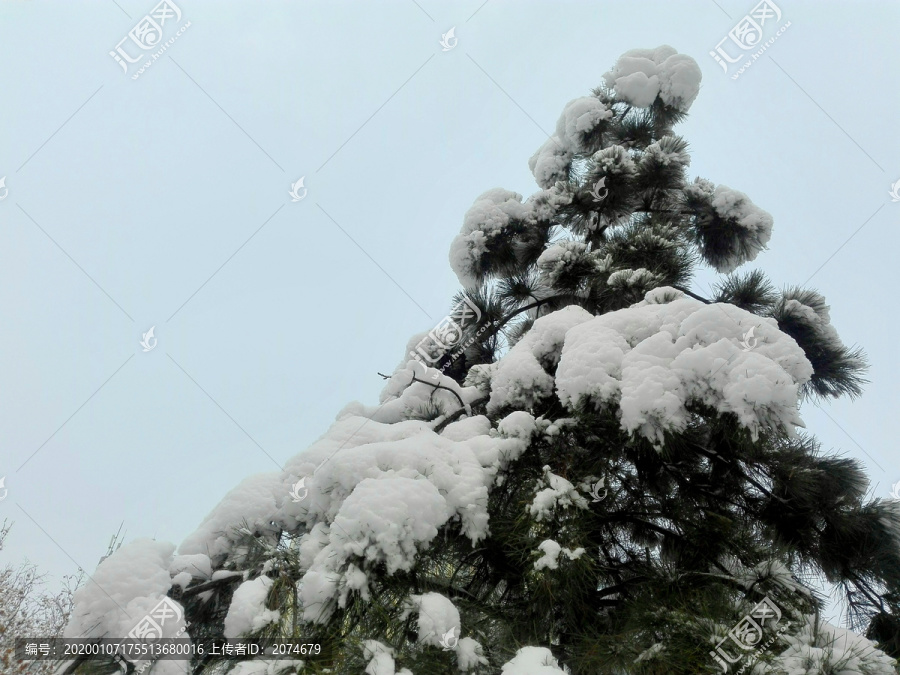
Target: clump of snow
[(651, 360), (253, 502), (518, 424), (552, 160), (665, 152), (640, 75), (628, 278), (560, 258), (379, 495), (614, 160), (247, 612), (409, 390), (532, 661), (182, 579), (123, 590), (384, 520), (545, 204), (479, 376), (521, 377), (469, 654), (485, 220), (832, 650), (736, 207), (467, 428), (559, 493), (733, 211), (439, 624), (551, 550), (197, 565), (380, 659), (651, 653)]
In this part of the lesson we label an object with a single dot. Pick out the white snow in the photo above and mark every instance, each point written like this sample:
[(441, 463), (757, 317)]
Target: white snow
[(518, 424), (123, 590), (197, 565), (738, 211), (550, 163), (486, 219), (532, 661), (651, 360), (560, 493), (438, 620), (470, 654), (640, 75), (253, 502), (247, 612), (380, 659), (551, 550), (467, 428), (521, 377), (832, 650)]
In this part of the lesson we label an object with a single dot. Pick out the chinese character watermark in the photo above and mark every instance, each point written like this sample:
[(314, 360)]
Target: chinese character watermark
[(746, 35), (147, 34), (747, 635)]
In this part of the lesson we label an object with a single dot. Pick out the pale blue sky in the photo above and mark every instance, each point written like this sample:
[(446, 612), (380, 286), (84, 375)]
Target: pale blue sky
[(127, 196)]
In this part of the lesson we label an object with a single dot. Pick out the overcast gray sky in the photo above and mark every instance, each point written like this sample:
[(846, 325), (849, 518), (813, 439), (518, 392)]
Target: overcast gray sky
[(163, 201)]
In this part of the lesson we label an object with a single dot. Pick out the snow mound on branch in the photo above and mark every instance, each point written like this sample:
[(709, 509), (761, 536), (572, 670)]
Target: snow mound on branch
[(488, 221), (551, 550), (385, 519), (485, 220), (831, 650), (380, 659), (640, 75), (379, 493), (652, 360), (409, 390), (532, 661), (123, 590), (551, 162), (737, 229), (247, 612), (470, 654), (197, 565), (467, 428), (560, 493), (522, 377), (253, 502), (438, 620)]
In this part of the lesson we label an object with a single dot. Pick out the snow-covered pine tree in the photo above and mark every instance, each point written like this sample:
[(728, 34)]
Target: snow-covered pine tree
[(601, 474)]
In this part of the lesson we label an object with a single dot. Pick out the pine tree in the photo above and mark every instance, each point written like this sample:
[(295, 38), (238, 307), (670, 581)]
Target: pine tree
[(587, 467)]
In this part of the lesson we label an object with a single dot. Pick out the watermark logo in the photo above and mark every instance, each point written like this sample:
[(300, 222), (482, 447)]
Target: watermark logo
[(3, 490), (895, 490), (147, 338), (448, 40), (151, 626), (295, 194), (748, 340), (3, 189), (147, 34), (747, 34), (449, 640), (747, 634), (596, 194), (299, 490), (894, 193), (448, 333), (595, 491)]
